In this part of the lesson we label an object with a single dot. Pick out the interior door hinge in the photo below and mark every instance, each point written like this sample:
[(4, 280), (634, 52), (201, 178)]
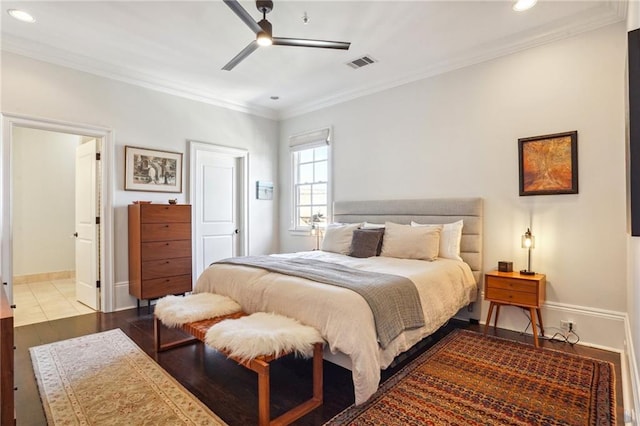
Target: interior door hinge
[(97, 156), (98, 284), (97, 220)]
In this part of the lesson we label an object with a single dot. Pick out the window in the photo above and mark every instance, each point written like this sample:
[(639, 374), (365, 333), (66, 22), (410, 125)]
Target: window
[(310, 154)]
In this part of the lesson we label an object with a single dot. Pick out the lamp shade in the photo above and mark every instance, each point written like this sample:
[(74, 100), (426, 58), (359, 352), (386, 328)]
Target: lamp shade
[(528, 240)]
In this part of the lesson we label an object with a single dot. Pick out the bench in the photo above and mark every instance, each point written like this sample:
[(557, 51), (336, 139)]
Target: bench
[(213, 317)]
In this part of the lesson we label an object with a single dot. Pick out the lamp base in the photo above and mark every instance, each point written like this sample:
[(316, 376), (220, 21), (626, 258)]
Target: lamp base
[(527, 272)]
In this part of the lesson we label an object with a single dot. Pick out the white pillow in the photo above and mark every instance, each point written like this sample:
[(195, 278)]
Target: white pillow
[(411, 242), (369, 225), (449, 239), (337, 237)]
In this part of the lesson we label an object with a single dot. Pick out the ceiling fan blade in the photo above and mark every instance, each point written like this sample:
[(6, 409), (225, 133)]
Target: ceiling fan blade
[(301, 42), (243, 15), (241, 56)]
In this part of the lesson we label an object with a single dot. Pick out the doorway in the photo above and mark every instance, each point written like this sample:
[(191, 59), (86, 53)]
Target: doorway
[(27, 169), (219, 195), (46, 175)]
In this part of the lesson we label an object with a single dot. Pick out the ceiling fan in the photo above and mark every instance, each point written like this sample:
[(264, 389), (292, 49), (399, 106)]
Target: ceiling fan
[(264, 35)]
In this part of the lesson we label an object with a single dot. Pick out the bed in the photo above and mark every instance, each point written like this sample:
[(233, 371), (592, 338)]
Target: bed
[(343, 317)]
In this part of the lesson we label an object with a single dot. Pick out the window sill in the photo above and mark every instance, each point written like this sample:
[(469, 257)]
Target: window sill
[(299, 233)]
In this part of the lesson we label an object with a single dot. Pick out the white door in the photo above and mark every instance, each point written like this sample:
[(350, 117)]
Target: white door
[(217, 182), (86, 234)]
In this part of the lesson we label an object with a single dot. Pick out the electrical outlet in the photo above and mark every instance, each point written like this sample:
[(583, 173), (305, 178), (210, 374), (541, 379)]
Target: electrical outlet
[(567, 325)]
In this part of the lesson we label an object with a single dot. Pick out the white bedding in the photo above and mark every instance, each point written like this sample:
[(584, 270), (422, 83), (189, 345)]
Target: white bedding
[(342, 316)]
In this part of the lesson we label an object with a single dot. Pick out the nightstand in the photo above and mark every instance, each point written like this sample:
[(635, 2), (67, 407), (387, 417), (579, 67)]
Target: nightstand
[(513, 288)]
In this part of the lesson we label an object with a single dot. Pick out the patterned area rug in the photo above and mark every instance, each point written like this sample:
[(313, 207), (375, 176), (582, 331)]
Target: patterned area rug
[(105, 379), (469, 379)]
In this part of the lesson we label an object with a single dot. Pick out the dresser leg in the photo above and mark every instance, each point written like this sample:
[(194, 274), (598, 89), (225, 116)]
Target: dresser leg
[(486, 324), (540, 321), (533, 326)]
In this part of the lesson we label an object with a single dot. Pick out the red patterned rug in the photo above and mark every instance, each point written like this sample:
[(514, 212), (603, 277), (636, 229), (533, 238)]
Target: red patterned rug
[(470, 379)]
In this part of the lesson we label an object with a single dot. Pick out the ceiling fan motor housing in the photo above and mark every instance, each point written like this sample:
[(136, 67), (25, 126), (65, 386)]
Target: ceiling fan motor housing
[(264, 6), (266, 26)]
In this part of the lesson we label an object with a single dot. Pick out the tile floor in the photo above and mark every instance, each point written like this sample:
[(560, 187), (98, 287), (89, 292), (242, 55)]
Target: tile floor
[(45, 301)]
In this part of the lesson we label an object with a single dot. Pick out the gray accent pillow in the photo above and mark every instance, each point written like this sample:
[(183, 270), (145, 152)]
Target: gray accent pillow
[(366, 242)]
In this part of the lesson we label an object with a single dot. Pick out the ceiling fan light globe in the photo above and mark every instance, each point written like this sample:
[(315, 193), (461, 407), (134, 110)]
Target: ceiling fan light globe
[(264, 39), (522, 5)]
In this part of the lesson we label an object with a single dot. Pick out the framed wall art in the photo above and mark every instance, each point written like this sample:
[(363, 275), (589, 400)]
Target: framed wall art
[(549, 164), (264, 190), (152, 170)]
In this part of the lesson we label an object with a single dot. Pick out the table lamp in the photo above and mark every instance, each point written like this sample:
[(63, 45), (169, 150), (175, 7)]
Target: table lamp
[(528, 242)]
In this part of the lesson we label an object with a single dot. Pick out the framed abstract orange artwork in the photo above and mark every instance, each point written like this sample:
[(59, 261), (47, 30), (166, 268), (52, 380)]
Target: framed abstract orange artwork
[(549, 164)]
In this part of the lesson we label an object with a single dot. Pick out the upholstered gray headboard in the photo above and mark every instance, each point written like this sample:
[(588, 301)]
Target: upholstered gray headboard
[(430, 210)]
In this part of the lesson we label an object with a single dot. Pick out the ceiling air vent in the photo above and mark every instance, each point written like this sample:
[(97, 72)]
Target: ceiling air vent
[(361, 62)]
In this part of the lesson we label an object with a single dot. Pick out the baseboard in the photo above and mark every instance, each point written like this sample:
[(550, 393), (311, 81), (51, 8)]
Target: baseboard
[(598, 328), (43, 276), (122, 299), (630, 390)]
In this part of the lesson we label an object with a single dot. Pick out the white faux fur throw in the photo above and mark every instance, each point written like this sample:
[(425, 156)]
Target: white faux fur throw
[(262, 334), (174, 311)]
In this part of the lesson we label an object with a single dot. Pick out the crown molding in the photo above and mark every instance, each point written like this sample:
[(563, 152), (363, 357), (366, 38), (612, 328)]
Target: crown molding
[(82, 63), (614, 12)]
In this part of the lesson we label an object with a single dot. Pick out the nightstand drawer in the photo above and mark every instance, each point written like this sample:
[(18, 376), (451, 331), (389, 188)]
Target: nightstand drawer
[(511, 284), (509, 296)]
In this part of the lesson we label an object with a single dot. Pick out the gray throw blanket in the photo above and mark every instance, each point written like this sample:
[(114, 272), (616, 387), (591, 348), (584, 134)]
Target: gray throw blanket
[(393, 299)]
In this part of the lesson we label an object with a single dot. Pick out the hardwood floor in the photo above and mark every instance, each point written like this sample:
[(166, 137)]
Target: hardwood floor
[(228, 389)]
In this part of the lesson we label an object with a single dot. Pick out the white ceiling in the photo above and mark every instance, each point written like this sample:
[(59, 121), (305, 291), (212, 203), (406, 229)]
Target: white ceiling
[(180, 47)]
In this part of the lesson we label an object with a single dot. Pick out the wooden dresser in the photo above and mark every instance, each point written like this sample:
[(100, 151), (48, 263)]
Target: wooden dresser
[(159, 250), (7, 411), (515, 289)]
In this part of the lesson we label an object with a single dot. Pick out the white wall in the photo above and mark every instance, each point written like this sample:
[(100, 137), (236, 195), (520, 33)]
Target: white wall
[(456, 135), (43, 201), (144, 118)]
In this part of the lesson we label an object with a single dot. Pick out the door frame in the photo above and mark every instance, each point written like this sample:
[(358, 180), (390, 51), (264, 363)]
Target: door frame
[(242, 157), (106, 135)]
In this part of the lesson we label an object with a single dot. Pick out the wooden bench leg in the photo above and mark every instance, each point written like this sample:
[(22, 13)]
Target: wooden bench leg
[(157, 326), (264, 396), (315, 401)]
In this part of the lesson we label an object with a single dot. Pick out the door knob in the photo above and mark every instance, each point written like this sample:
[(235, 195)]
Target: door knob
[(237, 231), (75, 234)]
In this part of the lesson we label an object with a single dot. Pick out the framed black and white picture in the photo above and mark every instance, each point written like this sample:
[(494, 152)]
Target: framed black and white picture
[(152, 170)]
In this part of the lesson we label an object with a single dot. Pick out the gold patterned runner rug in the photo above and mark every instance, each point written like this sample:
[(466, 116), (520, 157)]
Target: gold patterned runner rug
[(106, 379), (470, 379)]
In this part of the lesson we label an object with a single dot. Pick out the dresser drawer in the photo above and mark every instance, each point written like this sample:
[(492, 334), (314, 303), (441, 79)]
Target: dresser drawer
[(512, 297), (166, 268), (165, 249), (511, 284), (165, 231), (152, 289), (150, 213)]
